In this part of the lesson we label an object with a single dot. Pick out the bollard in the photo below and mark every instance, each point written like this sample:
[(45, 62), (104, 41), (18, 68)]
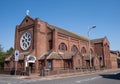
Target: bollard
[(29, 71)]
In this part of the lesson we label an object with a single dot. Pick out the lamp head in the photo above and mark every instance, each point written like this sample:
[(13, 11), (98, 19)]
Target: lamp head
[(93, 26)]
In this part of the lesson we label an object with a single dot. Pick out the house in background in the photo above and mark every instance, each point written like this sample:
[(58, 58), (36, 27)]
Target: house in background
[(115, 59)]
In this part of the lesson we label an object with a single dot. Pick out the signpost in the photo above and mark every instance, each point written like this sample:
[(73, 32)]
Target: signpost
[(16, 54)]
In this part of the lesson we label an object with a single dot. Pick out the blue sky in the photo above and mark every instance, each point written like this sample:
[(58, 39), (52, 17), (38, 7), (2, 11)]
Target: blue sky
[(73, 15)]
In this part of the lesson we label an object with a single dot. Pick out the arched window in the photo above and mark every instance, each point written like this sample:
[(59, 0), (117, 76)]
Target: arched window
[(91, 51), (74, 48), (83, 51), (63, 46)]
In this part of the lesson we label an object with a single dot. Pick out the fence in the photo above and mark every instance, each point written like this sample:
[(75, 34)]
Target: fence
[(11, 71), (47, 71)]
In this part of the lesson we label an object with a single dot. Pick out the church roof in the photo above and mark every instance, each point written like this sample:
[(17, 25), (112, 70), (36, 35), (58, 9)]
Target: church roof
[(52, 27), (61, 30), (99, 40), (66, 32)]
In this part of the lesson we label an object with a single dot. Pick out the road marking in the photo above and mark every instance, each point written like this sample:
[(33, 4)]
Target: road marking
[(88, 79), (5, 81), (116, 73)]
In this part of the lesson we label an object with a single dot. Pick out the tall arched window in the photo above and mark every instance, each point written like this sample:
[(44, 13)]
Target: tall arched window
[(83, 50), (63, 46), (74, 48), (91, 51)]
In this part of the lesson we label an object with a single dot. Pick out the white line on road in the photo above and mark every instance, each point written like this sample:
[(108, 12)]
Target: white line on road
[(116, 73), (88, 79), (5, 81)]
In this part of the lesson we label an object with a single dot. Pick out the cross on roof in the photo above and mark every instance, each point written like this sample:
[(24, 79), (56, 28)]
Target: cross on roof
[(27, 12)]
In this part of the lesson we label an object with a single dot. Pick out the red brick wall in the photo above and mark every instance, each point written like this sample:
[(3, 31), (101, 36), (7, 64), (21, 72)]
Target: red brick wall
[(114, 64), (102, 49), (58, 64), (106, 50), (44, 36)]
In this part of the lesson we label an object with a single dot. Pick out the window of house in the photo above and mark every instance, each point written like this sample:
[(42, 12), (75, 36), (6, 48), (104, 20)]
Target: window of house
[(63, 46), (83, 50), (79, 61), (74, 48), (50, 44), (91, 51)]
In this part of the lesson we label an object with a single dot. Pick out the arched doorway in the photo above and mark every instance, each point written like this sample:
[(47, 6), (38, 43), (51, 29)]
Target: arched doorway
[(31, 63)]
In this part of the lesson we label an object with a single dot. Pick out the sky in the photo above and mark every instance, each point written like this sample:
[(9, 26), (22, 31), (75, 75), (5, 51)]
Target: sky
[(74, 15)]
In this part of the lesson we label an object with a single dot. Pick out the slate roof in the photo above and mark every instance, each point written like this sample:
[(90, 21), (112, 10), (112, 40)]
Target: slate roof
[(9, 58), (68, 33), (21, 56), (58, 55), (115, 52), (99, 40)]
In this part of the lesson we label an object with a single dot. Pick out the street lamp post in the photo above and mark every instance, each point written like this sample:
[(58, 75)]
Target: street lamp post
[(89, 43)]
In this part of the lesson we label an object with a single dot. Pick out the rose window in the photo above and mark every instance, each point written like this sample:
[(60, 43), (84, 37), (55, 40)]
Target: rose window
[(25, 40)]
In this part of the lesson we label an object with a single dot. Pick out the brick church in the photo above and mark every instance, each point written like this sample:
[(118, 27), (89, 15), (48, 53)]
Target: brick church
[(41, 44)]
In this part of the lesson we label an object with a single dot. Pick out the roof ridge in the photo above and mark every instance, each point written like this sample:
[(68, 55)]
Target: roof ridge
[(98, 39), (72, 34)]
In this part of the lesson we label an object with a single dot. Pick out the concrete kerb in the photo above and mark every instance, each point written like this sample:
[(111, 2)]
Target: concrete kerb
[(36, 76)]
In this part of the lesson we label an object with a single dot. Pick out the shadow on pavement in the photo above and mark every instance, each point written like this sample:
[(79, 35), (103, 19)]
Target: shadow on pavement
[(111, 76)]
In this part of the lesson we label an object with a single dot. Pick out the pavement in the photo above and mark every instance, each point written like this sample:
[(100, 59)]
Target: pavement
[(37, 76), (98, 77)]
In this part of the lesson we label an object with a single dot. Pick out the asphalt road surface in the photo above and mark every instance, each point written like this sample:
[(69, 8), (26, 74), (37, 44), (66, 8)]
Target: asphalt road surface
[(112, 77)]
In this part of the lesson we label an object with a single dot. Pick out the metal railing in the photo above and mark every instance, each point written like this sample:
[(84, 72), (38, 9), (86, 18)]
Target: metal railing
[(48, 71), (59, 70)]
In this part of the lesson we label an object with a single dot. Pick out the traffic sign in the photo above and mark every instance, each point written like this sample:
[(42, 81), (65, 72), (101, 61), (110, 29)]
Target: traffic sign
[(16, 54)]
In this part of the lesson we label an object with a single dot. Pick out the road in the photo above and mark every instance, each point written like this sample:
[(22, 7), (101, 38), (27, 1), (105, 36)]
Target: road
[(98, 78)]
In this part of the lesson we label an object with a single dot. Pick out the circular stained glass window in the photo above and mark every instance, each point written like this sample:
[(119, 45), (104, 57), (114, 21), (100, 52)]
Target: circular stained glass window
[(25, 40)]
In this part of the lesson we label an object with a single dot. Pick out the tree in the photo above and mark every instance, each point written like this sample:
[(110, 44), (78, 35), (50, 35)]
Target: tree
[(3, 55), (10, 51), (1, 50)]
